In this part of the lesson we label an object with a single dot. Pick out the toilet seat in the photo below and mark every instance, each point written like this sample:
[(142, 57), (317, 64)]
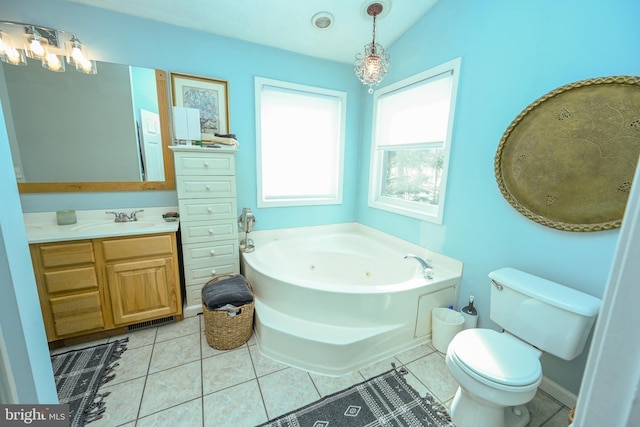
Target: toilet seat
[(496, 359)]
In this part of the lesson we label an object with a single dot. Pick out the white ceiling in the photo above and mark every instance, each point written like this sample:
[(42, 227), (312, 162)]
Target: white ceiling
[(285, 24)]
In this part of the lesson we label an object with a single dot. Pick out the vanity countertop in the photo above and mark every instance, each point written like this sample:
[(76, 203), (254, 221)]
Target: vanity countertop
[(43, 227)]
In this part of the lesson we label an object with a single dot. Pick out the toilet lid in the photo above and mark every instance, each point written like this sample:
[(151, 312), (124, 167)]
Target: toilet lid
[(496, 357)]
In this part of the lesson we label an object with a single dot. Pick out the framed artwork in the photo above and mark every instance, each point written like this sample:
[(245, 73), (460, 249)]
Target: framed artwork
[(210, 96)]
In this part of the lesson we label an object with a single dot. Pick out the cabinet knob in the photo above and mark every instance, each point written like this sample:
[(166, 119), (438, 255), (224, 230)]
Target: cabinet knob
[(206, 164), (213, 272), (211, 231), (209, 210), (213, 252), (208, 187)]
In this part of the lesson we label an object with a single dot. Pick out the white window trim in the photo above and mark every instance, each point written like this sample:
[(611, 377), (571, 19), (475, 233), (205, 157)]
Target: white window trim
[(260, 82), (411, 209)]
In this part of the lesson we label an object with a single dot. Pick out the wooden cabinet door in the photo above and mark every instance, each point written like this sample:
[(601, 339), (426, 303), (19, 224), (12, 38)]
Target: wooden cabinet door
[(142, 289)]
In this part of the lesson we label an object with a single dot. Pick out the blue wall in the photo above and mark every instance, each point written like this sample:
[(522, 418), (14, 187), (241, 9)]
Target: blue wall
[(513, 52)]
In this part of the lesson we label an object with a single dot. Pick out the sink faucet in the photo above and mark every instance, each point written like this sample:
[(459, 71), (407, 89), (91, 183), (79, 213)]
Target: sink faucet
[(123, 217), (427, 268)]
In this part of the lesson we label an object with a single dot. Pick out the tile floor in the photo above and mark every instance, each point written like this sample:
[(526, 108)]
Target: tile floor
[(169, 376)]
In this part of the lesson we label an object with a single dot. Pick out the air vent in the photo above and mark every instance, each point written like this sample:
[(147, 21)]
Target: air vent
[(150, 323)]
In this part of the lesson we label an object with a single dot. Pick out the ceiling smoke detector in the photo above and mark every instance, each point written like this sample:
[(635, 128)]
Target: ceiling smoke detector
[(322, 20)]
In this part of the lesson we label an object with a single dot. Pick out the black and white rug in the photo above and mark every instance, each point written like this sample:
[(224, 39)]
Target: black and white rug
[(80, 373), (386, 400)]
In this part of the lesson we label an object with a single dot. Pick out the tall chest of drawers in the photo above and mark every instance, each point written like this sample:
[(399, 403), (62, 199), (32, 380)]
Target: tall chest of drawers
[(206, 187)]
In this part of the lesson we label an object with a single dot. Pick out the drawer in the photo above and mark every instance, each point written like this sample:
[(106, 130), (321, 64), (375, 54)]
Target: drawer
[(67, 254), (199, 253), (71, 279), (200, 274), (204, 164), (207, 209), (192, 187), (207, 231), (138, 247), (77, 313)]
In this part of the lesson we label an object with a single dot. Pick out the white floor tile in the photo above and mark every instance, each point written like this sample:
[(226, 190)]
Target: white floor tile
[(171, 387), (174, 352), (287, 390), (237, 406), (122, 404), (138, 338), (188, 414), (329, 385), (226, 370), (188, 326), (134, 363), (433, 373), (262, 364)]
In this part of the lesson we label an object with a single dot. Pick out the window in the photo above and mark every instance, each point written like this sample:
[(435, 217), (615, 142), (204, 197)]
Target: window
[(300, 144), (412, 126)]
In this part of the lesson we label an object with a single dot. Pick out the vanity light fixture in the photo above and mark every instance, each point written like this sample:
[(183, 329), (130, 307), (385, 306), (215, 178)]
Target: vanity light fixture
[(373, 66), (19, 41)]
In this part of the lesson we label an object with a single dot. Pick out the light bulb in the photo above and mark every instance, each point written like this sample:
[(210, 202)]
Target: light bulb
[(53, 62), (13, 56), (86, 66), (77, 55), (36, 48)]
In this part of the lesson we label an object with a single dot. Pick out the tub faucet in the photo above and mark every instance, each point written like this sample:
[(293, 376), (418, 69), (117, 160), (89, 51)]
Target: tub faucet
[(427, 268)]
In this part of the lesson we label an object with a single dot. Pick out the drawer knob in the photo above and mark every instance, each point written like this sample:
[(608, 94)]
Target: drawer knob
[(213, 252), (211, 231), (206, 164), (213, 272), (209, 210), (207, 187)]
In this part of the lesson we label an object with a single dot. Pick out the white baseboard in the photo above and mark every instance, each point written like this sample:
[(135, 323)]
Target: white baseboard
[(559, 393), (191, 310)]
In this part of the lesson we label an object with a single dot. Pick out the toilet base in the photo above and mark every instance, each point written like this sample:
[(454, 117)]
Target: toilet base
[(468, 410)]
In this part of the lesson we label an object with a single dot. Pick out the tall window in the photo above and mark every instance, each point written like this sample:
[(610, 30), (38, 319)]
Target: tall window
[(300, 144), (412, 126)]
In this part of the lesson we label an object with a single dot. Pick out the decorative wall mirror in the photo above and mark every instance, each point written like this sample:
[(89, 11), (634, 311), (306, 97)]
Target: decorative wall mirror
[(75, 132)]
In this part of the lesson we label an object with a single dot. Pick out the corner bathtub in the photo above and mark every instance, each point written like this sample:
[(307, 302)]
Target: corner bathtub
[(332, 299)]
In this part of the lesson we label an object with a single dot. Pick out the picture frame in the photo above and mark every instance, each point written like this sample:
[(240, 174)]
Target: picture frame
[(209, 95)]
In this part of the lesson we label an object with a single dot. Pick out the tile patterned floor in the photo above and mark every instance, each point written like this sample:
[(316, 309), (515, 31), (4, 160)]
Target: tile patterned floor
[(169, 376)]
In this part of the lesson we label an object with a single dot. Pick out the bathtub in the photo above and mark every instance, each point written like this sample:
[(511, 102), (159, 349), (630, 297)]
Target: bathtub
[(332, 299)]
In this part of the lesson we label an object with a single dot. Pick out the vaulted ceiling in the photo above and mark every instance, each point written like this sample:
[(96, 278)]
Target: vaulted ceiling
[(285, 24)]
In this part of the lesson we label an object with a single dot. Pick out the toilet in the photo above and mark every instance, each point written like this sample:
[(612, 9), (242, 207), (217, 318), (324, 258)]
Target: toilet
[(499, 372)]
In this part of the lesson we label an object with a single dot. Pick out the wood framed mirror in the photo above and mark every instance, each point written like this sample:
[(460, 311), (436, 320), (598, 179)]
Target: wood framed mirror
[(122, 148)]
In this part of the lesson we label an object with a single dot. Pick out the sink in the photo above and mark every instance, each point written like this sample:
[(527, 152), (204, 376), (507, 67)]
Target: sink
[(113, 226)]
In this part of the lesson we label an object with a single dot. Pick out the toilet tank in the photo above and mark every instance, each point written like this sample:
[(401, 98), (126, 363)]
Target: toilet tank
[(552, 317)]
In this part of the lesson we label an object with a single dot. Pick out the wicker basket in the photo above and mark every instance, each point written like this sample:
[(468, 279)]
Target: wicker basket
[(225, 332)]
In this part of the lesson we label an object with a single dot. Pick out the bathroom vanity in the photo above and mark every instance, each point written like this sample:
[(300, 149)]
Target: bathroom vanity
[(98, 275)]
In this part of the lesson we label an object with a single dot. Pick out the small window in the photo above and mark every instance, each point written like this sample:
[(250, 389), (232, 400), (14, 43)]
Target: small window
[(412, 126), (300, 144)]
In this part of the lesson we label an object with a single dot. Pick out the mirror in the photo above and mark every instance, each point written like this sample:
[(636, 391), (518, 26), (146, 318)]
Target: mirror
[(76, 132)]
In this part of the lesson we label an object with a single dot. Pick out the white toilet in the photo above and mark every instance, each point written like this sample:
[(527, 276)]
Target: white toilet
[(499, 373)]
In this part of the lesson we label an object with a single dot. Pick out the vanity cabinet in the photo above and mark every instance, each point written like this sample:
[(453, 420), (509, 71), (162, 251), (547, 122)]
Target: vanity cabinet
[(94, 285), (206, 187), (141, 278)]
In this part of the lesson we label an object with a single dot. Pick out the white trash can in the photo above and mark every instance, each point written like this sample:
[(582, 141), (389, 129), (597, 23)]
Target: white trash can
[(445, 324)]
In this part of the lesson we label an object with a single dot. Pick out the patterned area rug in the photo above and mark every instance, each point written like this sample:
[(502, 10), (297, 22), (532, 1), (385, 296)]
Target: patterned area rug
[(386, 400), (80, 373)]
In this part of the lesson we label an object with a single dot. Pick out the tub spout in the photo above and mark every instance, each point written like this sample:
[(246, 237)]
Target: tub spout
[(427, 268)]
